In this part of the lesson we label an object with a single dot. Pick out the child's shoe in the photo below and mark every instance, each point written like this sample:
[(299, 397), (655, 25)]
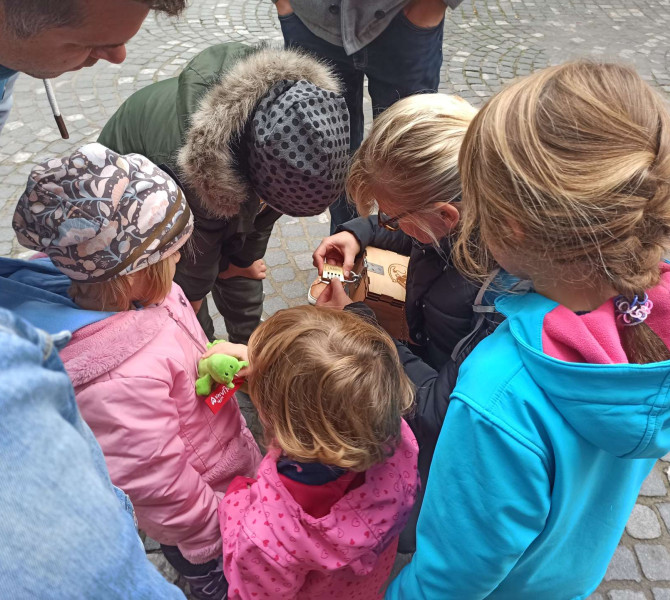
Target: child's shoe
[(212, 586), (315, 290)]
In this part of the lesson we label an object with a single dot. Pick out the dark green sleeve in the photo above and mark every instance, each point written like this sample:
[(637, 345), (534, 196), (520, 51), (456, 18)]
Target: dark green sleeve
[(146, 124)]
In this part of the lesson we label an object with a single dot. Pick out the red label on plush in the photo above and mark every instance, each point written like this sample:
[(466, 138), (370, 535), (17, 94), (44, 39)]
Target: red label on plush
[(221, 394)]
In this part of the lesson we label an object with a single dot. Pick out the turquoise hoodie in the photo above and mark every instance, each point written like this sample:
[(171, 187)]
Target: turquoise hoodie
[(539, 463)]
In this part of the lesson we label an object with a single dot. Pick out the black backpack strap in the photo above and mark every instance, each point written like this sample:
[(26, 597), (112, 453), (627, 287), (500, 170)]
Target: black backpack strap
[(480, 310)]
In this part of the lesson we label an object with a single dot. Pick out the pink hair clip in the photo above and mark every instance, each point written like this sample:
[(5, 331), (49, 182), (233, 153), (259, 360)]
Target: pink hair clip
[(633, 312)]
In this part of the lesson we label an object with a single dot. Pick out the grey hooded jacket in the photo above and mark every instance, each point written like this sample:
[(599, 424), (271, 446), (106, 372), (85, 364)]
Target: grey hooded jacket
[(352, 24)]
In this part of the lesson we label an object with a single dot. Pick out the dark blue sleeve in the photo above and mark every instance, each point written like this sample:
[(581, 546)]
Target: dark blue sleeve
[(368, 233)]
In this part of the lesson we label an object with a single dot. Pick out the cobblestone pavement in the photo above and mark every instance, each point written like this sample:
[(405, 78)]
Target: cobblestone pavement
[(487, 42)]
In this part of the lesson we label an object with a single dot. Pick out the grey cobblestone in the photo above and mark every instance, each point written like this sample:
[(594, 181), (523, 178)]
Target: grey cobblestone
[(303, 261), (297, 245), (292, 230), (318, 231), (643, 523), (626, 595), (664, 510), (654, 485), (487, 43), (655, 561), (272, 305), (293, 289), (623, 566), (268, 288), (283, 274), (151, 545), (275, 257)]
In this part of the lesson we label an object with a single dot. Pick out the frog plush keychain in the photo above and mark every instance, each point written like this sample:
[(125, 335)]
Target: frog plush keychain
[(217, 378)]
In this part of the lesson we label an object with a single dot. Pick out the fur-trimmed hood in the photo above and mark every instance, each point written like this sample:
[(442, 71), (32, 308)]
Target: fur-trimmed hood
[(207, 160)]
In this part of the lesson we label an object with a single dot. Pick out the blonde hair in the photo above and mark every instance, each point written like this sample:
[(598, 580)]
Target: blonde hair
[(577, 157), (411, 153), (149, 286), (328, 387)]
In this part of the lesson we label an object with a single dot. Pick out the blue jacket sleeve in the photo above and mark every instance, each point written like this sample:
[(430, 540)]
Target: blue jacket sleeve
[(487, 499), (65, 531)]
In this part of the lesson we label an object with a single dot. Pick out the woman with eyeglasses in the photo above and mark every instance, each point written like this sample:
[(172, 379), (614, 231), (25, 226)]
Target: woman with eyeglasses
[(408, 168)]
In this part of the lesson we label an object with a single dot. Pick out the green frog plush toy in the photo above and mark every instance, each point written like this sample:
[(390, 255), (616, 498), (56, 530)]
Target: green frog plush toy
[(218, 368)]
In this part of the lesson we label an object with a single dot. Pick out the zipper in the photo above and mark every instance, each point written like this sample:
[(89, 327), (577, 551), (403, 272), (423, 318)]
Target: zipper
[(185, 330)]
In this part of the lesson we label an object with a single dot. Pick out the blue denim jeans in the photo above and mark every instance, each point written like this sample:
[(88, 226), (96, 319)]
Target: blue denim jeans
[(404, 60), (6, 98), (66, 531)]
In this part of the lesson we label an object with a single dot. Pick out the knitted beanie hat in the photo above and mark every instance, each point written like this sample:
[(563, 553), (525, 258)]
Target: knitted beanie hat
[(99, 215), (297, 148)]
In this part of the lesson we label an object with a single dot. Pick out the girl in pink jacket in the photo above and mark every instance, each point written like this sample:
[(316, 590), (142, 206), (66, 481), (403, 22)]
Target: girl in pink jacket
[(114, 225), (321, 519)]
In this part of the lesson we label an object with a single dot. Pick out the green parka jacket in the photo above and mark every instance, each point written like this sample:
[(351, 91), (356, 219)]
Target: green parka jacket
[(198, 118)]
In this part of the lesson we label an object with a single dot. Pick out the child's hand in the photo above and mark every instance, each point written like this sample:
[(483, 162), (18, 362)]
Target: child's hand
[(256, 270), (334, 296), (239, 351)]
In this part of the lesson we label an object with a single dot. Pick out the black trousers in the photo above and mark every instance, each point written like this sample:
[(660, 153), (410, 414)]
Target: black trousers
[(404, 60), (174, 556), (240, 302)]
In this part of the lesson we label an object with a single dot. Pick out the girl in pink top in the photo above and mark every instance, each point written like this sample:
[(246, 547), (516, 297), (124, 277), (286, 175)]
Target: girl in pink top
[(114, 225), (322, 517)]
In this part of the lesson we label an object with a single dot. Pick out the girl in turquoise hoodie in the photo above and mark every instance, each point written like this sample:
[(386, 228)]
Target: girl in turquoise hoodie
[(558, 417)]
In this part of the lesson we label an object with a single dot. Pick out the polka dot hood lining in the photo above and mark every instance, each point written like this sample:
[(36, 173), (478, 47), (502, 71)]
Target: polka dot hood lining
[(207, 159)]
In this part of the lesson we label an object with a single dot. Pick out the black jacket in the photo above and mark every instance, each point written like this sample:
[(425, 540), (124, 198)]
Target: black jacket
[(439, 314), (442, 322)]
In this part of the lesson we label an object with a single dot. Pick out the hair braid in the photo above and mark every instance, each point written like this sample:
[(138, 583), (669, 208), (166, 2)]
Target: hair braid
[(579, 157)]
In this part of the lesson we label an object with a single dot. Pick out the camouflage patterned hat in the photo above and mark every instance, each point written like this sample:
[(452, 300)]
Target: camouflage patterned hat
[(98, 214)]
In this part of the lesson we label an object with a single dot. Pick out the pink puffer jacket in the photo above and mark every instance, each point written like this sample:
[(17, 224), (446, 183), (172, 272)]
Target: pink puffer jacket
[(134, 378)]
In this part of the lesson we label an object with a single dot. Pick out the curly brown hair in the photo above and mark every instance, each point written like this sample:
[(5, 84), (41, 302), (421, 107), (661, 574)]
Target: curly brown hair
[(328, 387)]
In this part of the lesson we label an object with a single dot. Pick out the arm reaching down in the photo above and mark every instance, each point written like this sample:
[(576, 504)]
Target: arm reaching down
[(147, 458)]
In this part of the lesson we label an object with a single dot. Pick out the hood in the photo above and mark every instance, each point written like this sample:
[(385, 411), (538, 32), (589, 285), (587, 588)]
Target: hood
[(103, 346), (208, 158), (36, 291), (578, 362), (359, 526)]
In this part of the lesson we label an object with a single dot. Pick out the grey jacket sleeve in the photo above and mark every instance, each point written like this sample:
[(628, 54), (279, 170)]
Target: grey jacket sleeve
[(256, 242)]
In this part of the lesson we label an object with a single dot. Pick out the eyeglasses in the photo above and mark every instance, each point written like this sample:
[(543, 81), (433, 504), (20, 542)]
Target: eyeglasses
[(393, 223)]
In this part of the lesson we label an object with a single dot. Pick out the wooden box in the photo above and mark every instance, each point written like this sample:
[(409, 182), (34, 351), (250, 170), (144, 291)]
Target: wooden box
[(382, 287)]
